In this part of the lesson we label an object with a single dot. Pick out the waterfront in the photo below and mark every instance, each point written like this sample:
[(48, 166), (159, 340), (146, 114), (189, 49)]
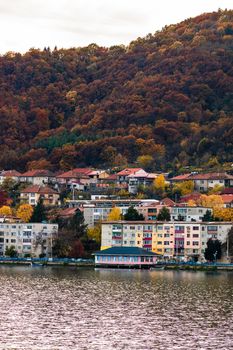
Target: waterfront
[(68, 308)]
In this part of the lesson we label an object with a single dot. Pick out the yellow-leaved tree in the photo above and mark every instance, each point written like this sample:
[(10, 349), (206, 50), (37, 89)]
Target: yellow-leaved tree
[(25, 212), (185, 187), (160, 183), (212, 201), (5, 210), (114, 215), (225, 214), (191, 203), (94, 233)]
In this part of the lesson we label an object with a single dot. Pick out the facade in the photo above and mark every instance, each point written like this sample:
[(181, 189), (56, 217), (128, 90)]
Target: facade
[(33, 194), (13, 174), (38, 177), (95, 211), (205, 182), (182, 240), (28, 238), (188, 213), (125, 257)]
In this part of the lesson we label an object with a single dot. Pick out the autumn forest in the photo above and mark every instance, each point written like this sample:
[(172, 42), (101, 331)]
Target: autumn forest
[(165, 100)]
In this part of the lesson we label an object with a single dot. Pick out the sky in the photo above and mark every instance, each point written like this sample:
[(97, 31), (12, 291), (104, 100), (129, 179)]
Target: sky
[(25, 24)]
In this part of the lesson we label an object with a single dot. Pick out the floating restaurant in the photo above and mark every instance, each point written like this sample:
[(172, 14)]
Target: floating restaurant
[(125, 257)]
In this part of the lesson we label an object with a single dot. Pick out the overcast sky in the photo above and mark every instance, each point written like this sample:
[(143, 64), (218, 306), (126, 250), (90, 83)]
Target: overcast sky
[(68, 23)]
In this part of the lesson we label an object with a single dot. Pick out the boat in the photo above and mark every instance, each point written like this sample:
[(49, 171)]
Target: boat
[(158, 267), (34, 264)]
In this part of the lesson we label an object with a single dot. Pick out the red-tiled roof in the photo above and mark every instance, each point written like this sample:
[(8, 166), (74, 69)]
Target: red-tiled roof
[(182, 177), (228, 190), (227, 198), (128, 171), (111, 177), (39, 189), (67, 212), (76, 173), (38, 173), (10, 173), (193, 196), (168, 202), (211, 176)]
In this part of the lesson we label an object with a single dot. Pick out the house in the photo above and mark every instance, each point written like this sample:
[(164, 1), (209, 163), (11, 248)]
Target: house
[(79, 175), (205, 182), (13, 174), (123, 175), (140, 178), (227, 200), (34, 193), (128, 257), (38, 177)]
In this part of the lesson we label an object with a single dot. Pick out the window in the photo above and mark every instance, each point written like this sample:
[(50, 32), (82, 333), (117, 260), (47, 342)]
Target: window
[(132, 227), (166, 242), (166, 235), (195, 243), (159, 242), (188, 242), (195, 235), (195, 228)]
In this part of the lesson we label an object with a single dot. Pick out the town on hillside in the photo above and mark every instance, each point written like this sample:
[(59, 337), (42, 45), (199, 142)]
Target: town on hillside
[(188, 217)]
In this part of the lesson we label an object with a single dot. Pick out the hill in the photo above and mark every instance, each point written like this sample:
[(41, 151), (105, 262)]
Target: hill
[(167, 98)]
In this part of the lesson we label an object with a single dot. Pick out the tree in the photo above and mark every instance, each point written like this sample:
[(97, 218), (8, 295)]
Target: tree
[(24, 212), (133, 215), (185, 187), (72, 232), (225, 214), (207, 216), (191, 203), (145, 161), (212, 201), (164, 214), (11, 252), (213, 251), (114, 215), (160, 183), (5, 210), (39, 213), (94, 233)]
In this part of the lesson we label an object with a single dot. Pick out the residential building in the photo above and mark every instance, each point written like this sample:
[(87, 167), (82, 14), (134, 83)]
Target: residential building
[(181, 240), (205, 182), (34, 193), (123, 175), (186, 213), (140, 178), (97, 210), (38, 177), (78, 175), (13, 174), (28, 238)]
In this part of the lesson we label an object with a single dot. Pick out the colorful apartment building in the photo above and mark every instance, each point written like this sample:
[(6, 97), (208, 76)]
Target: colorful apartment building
[(182, 240)]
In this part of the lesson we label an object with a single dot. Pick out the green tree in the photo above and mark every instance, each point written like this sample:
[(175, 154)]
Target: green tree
[(164, 214), (39, 213), (213, 250), (208, 216), (133, 215), (11, 252)]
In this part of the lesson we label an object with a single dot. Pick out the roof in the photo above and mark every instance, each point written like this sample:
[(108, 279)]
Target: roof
[(227, 198), (128, 171), (168, 202), (37, 172), (228, 190), (126, 251), (211, 176), (112, 177), (67, 212), (192, 196), (10, 173), (76, 173), (182, 177), (39, 189)]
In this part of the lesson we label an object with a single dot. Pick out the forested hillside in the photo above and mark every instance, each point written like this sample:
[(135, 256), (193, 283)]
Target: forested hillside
[(168, 97)]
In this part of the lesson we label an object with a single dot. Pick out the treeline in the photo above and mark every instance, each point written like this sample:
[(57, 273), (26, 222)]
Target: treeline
[(167, 97)]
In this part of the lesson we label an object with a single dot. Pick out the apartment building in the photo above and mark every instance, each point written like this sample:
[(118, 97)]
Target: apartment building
[(182, 240), (186, 213), (27, 238)]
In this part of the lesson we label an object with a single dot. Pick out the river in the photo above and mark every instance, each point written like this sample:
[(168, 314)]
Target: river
[(68, 308)]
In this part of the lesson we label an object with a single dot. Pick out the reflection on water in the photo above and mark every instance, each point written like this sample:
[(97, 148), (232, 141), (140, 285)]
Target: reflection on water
[(65, 308)]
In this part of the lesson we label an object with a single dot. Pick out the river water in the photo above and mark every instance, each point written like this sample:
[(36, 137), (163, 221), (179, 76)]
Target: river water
[(69, 308)]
